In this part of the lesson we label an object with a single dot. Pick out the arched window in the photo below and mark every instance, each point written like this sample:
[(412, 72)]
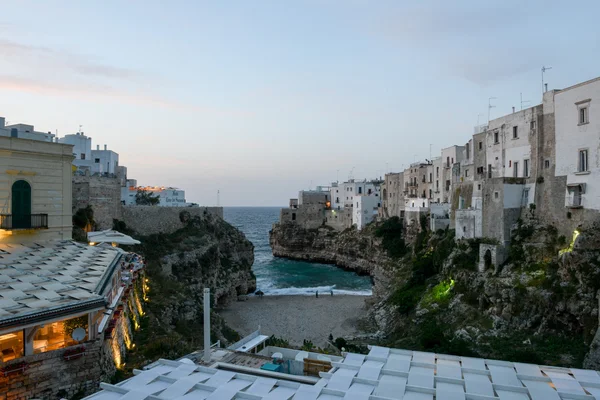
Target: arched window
[(21, 204)]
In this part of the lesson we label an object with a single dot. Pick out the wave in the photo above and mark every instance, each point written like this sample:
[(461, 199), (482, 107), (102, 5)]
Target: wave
[(311, 291)]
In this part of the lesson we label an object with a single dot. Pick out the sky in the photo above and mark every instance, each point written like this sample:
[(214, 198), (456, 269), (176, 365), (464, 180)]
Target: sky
[(261, 99)]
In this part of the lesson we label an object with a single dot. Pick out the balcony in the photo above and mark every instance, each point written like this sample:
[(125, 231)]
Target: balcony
[(574, 201), (26, 221)]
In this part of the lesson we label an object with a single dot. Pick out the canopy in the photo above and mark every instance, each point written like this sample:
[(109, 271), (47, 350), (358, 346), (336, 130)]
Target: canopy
[(110, 236)]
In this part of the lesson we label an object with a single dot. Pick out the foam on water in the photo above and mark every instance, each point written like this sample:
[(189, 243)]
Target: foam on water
[(278, 276)]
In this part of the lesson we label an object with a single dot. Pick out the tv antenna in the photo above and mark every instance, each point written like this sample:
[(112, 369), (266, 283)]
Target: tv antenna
[(490, 106), (523, 101), (80, 126), (218, 198), (544, 69)]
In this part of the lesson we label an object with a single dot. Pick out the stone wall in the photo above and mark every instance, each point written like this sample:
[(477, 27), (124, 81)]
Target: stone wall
[(103, 194), (338, 219), (148, 220), (308, 216)]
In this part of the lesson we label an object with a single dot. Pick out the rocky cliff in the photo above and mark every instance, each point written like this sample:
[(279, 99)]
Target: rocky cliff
[(204, 252), (538, 307)]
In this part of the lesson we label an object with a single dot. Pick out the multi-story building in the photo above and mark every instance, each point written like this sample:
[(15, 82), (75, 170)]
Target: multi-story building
[(82, 150), (392, 196), (35, 190), (342, 193), (577, 119), (24, 131), (105, 161), (450, 157), (55, 293), (438, 179), (365, 209)]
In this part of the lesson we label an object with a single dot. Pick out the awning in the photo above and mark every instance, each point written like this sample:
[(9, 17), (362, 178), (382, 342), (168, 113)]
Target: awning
[(110, 236)]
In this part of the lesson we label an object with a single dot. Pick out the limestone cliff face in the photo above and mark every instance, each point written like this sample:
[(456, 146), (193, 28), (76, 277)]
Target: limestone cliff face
[(205, 252), (538, 307), (360, 252)]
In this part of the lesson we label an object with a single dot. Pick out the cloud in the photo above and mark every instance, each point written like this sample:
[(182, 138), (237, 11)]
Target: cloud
[(78, 63), (94, 92)]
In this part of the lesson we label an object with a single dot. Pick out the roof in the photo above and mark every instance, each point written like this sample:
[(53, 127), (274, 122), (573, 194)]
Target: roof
[(383, 373), (42, 280)]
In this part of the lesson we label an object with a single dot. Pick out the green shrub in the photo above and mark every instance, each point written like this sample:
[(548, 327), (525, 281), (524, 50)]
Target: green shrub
[(407, 297), (391, 232)]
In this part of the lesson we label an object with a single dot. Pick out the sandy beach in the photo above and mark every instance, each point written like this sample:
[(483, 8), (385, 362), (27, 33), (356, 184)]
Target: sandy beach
[(296, 318)]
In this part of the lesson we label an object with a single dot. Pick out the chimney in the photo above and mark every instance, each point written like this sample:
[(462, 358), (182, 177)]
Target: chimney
[(513, 109), (97, 147), (206, 357), (104, 147), (546, 87)]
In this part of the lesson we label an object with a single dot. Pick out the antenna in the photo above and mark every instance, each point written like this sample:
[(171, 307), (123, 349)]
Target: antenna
[(523, 101), (218, 198), (490, 106), (544, 69), (338, 176), (430, 151), (80, 126)]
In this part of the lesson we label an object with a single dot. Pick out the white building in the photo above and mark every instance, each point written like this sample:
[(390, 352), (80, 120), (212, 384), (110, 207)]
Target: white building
[(168, 196), (82, 150), (105, 161), (24, 131), (450, 156), (577, 143), (342, 194), (365, 209)]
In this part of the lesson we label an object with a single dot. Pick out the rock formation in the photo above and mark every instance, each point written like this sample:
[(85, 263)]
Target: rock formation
[(538, 307)]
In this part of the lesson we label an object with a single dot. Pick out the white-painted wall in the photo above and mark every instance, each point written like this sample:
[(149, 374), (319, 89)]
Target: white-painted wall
[(104, 161), (82, 150), (24, 131), (169, 197), (572, 136), (365, 209), (342, 193)]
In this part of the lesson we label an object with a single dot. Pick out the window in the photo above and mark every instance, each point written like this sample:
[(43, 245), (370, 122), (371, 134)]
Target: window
[(515, 169), (430, 177), (11, 346), (480, 145), (496, 138), (437, 172), (293, 216), (430, 193), (337, 199), (357, 204), (515, 132), (97, 160), (526, 168), (532, 125), (480, 170), (479, 186), (547, 164), (583, 161), (468, 150), (525, 200), (369, 191), (83, 156), (495, 195), (448, 162), (57, 335), (466, 172), (583, 115), (490, 171), (437, 184), (360, 190), (447, 185)]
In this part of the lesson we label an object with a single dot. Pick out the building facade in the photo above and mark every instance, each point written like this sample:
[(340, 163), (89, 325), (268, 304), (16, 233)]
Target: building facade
[(35, 190), (168, 196), (24, 131)]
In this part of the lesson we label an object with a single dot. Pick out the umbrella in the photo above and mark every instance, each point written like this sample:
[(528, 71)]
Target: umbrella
[(110, 236)]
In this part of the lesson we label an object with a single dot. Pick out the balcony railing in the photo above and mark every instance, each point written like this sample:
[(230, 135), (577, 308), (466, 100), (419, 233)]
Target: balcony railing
[(25, 221), (574, 201)]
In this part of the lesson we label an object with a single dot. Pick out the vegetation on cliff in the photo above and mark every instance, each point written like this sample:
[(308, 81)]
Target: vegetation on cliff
[(539, 306), (206, 252)]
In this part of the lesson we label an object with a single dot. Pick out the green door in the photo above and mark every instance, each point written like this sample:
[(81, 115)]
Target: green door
[(21, 205)]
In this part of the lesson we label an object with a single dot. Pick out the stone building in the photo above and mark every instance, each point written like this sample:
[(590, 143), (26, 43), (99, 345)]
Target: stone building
[(57, 297), (392, 195), (35, 190)]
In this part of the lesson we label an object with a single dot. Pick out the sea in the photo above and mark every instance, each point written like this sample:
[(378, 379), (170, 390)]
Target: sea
[(279, 276)]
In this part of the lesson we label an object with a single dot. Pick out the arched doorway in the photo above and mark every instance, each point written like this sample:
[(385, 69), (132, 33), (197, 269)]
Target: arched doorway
[(21, 204), (487, 259), (384, 194)]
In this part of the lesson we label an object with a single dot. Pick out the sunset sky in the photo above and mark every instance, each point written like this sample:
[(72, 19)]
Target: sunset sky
[(260, 99)]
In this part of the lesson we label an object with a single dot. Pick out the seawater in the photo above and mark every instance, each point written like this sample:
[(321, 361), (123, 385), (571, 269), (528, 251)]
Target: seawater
[(278, 276)]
